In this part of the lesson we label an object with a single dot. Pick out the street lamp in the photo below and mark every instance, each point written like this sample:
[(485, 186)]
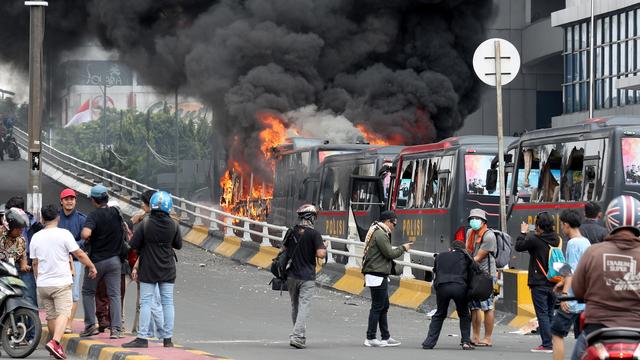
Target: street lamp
[(36, 56)]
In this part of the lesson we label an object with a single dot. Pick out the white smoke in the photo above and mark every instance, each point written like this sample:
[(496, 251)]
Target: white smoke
[(14, 80), (323, 124)]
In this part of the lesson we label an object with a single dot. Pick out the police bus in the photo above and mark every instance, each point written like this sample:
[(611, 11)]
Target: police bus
[(436, 185), (296, 179), (563, 168)]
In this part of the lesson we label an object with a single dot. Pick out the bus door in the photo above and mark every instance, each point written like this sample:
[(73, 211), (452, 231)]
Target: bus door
[(443, 214), (365, 202)]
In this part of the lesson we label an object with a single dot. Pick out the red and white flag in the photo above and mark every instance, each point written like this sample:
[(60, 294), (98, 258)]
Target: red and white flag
[(82, 116)]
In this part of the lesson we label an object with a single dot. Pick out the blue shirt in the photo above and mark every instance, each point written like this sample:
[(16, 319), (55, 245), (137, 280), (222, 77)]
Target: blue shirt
[(575, 248), (74, 223)]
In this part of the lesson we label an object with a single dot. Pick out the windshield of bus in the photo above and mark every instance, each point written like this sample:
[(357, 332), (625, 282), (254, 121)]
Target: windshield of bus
[(481, 174), (631, 160), (324, 153)]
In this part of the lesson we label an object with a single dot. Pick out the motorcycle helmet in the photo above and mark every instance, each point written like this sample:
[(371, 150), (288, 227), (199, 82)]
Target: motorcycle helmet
[(623, 213), (15, 218), (307, 212), (161, 201)]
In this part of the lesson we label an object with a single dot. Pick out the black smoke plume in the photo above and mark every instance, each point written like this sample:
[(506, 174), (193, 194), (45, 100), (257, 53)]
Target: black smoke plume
[(401, 67)]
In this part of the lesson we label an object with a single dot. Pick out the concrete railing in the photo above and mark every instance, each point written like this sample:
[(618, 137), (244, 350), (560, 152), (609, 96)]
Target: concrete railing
[(199, 214)]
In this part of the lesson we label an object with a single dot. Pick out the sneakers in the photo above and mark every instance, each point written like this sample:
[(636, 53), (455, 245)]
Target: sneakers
[(297, 343), (90, 331), (115, 334), (390, 342), (542, 349), (136, 343), (373, 343), (102, 329), (55, 349), (167, 343)]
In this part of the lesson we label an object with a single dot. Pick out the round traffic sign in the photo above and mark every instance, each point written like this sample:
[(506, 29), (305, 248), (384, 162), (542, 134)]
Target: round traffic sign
[(484, 61)]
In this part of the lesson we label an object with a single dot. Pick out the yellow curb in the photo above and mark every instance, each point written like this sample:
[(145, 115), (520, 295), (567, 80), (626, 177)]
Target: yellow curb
[(352, 281), (65, 339), (106, 353), (139, 357), (197, 235), (454, 315), (229, 246), (411, 293), (83, 347), (263, 258), (526, 312)]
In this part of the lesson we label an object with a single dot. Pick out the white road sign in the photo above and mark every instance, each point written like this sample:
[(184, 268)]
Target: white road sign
[(484, 61)]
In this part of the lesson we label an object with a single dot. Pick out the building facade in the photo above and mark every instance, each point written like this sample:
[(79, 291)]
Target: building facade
[(616, 63), (534, 97)]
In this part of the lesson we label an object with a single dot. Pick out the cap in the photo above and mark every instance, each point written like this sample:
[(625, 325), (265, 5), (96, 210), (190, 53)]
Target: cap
[(67, 193), (388, 215), (98, 191), (479, 213)]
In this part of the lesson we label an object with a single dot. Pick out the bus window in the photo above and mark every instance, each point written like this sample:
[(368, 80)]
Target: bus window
[(365, 170), (631, 160), (332, 194), (386, 185), (572, 176), (445, 173), (475, 168), (430, 199), (404, 188), (362, 195)]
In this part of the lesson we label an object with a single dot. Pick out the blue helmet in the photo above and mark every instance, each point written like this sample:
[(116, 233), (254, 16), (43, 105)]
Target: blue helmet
[(162, 201)]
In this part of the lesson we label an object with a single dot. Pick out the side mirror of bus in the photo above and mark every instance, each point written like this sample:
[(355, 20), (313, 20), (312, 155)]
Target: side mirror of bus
[(491, 180)]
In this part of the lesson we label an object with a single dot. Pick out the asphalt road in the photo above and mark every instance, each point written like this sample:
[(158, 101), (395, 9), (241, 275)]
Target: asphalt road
[(227, 309)]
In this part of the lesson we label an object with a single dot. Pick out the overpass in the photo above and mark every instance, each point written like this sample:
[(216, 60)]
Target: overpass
[(223, 303)]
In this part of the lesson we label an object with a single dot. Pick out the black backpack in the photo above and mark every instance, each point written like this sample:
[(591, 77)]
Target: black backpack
[(282, 262), (480, 283)]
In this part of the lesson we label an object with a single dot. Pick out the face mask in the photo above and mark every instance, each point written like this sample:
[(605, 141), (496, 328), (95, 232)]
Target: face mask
[(475, 224)]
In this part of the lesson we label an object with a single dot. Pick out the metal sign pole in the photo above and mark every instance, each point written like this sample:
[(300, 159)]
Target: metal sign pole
[(36, 56), (501, 171)]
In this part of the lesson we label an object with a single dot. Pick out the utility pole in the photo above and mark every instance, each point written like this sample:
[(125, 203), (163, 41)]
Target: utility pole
[(36, 61), (104, 113), (177, 145), (501, 172), (147, 169), (591, 69)]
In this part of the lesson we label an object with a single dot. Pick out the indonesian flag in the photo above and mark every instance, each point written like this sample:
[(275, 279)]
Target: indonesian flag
[(82, 116)]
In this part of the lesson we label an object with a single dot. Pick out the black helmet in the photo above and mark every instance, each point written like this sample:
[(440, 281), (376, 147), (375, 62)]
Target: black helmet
[(307, 212), (15, 218)]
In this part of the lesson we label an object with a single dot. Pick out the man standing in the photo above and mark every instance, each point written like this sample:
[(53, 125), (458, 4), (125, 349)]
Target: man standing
[(607, 277), (591, 227), (538, 245), (52, 264), (103, 233), (482, 244), (377, 264), (73, 221), (155, 240), (304, 246), (569, 312)]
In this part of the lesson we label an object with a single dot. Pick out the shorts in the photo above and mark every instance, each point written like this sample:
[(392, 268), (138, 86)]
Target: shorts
[(77, 280), (484, 305), (57, 300), (562, 322)]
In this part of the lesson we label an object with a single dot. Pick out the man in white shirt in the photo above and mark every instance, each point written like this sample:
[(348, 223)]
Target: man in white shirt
[(52, 266)]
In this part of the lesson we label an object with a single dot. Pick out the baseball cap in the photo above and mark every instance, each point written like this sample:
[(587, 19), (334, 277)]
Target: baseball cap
[(66, 193), (98, 191)]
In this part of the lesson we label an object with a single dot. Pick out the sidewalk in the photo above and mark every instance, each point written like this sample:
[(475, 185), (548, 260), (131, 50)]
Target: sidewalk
[(100, 347)]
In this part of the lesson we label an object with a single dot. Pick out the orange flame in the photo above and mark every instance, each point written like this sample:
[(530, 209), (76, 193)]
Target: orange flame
[(376, 139), (274, 134)]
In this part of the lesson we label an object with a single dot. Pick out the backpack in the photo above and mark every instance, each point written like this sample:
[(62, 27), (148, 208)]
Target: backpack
[(504, 247), (282, 261), (480, 283), (555, 257)]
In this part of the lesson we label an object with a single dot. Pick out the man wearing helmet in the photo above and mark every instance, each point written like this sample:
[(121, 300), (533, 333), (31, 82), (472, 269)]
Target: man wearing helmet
[(13, 245), (607, 276), (154, 240), (304, 244)]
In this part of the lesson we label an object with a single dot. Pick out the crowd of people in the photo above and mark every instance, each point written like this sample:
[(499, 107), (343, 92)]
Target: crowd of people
[(68, 256), (590, 270)]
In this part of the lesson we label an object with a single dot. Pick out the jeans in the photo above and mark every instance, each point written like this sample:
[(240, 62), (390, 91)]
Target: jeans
[(378, 311), (444, 294), (30, 293), (164, 324), (301, 292), (77, 265), (544, 302), (109, 270)]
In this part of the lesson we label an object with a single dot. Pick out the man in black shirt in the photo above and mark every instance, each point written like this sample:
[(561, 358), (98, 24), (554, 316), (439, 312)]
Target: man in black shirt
[(591, 227), (154, 239), (103, 233), (304, 246)]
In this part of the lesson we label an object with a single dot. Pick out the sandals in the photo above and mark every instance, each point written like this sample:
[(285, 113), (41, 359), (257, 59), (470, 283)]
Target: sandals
[(467, 346)]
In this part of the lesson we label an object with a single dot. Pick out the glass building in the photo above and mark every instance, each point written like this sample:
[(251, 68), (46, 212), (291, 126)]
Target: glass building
[(616, 64)]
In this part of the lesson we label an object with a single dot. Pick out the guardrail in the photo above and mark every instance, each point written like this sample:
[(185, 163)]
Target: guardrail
[(197, 213)]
